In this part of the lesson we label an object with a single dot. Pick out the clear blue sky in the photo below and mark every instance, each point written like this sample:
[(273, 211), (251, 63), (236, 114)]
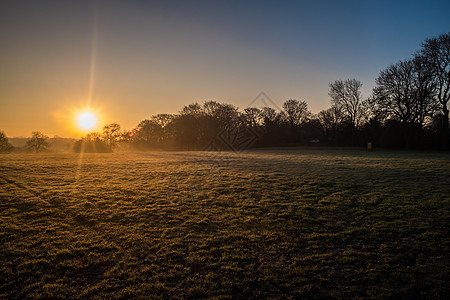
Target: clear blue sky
[(132, 59)]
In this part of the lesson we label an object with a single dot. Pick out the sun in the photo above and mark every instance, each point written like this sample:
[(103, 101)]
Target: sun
[(86, 120)]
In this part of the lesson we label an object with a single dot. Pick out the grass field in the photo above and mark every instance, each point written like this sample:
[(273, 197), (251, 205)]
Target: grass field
[(282, 223)]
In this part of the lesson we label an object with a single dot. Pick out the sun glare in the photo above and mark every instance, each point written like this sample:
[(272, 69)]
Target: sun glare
[(86, 120)]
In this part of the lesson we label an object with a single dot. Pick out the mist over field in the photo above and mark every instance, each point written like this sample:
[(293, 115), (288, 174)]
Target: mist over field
[(299, 222)]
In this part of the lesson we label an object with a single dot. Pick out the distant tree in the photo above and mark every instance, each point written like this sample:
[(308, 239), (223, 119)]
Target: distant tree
[(296, 112), (128, 136), (270, 116), (193, 109), (225, 115), (111, 134), (436, 51), (197, 125), (38, 142), (346, 96), (165, 130), (163, 120), (149, 132), (92, 143), (252, 117), (331, 121), (273, 128), (5, 146), (405, 92)]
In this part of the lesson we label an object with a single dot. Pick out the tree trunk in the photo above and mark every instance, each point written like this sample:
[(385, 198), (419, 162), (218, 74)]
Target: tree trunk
[(353, 136), (445, 129)]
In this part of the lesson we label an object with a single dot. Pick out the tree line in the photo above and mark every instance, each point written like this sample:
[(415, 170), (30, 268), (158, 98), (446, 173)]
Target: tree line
[(408, 109)]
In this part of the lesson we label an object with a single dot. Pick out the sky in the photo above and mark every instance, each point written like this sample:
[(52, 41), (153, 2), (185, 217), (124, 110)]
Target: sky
[(128, 60)]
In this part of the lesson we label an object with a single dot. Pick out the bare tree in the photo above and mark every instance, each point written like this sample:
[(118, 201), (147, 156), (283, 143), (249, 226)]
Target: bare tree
[(163, 120), (437, 53), (405, 92), (38, 142), (193, 109), (270, 115), (424, 90), (252, 117), (394, 94), (111, 134), (330, 120), (226, 115), (5, 146), (346, 96), (296, 112)]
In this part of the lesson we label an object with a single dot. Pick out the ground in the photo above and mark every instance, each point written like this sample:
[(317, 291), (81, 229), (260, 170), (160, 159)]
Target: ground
[(283, 223)]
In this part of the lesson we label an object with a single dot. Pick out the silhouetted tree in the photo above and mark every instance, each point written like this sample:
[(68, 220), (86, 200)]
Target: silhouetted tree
[(405, 92), (331, 121), (191, 128), (38, 142), (408, 106), (346, 97), (165, 123), (225, 115), (193, 109), (275, 130), (269, 115), (252, 117), (111, 134), (424, 88), (296, 112), (197, 125), (92, 143), (436, 51), (393, 94), (148, 133), (5, 146)]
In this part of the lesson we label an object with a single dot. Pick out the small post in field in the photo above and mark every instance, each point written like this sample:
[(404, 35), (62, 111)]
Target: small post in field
[(369, 146)]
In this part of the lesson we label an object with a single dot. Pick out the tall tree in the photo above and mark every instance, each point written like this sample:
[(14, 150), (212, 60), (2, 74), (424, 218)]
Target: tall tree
[(330, 120), (38, 142), (270, 115), (226, 115), (296, 112), (346, 97), (424, 86), (165, 122), (394, 94), (252, 117), (406, 92), (111, 134), (437, 53), (193, 109), (148, 132)]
